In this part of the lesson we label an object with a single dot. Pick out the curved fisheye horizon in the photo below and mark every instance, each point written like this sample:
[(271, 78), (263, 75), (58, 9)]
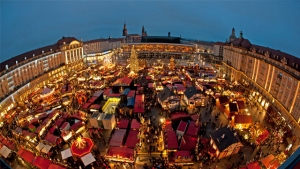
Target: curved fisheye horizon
[(32, 24)]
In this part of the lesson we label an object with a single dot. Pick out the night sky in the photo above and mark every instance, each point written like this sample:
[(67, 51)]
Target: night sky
[(26, 25)]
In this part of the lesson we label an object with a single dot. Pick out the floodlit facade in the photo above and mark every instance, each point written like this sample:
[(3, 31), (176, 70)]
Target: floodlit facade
[(274, 75), (21, 74)]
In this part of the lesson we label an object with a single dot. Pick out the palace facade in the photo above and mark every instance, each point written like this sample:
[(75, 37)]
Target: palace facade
[(273, 74), (21, 74)]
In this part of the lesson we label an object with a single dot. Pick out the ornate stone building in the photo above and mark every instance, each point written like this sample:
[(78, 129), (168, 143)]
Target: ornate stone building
[(273, 74)]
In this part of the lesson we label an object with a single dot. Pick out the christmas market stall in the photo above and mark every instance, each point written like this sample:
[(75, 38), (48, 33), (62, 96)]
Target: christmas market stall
[(123, 124), (135, 125), (253, 165), (241, 121), (117, 139), (193, 129), (122, 154), (181, 128), (82, 146), (182, 157), (188, 143), (41, 163), (132, 139), (225, 142), (139, 106), (171, 142), (270, 162)]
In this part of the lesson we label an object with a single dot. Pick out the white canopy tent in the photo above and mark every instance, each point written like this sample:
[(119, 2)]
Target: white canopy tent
[(88, 159), (46, 149), (40, 146), (66, 154), (5, 151)]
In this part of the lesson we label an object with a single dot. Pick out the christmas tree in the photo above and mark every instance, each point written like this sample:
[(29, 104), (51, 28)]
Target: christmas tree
[(134, 62), (172, 63)]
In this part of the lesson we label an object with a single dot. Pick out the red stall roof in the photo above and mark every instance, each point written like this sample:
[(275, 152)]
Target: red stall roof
[(92, 99), (77, 125), (188, 143), (269, 163), (193, 129), (138, 108), (121, 151), (131, 93), (86, 105), (98, 93), (168, 125), (95, 106), (150, 85), (172, 140), (253, 165), (182, 126), (117, 138), (178, 115), (28, 156), (242, 119), (135, 124), (139, 98), (55, 166), (51, 138), (107, 91), (262, 137), (41, 162), (123, 124), (241, 104), (182, 154), (59, 122), (132, 139)]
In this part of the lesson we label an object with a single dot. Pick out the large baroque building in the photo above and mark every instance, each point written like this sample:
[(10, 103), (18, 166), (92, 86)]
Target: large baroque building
[(19, 75), (274, 75)]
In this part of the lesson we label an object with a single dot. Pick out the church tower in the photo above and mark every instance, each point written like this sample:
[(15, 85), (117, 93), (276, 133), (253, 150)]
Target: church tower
[(125, 30), (144, 33), (232, 37)]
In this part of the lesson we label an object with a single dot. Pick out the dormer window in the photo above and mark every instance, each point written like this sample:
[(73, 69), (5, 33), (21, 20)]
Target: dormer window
[(16, 62), (6, 66), (293, 64), (296, 66)]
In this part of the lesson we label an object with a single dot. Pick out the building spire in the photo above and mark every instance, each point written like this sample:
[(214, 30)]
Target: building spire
[(241, 35)]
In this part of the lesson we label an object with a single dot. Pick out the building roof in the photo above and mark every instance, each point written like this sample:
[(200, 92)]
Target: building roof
[(104, 40), (242, 119), (191, 91), (220, 43), (268, 52), (165, 94), (272, 53), (223, 99), (223, 143), (233, 107), (160, 39), (241, 42), (241, 104)]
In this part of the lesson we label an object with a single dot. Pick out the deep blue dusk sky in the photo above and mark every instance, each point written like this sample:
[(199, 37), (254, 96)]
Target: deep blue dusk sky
[(26, 25)]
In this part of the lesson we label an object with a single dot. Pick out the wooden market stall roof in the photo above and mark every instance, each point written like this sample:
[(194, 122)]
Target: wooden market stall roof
[(132, 139), (188, 143), (171, 143), (123, 124), (117, 138), (238, 119), (193, 129)]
